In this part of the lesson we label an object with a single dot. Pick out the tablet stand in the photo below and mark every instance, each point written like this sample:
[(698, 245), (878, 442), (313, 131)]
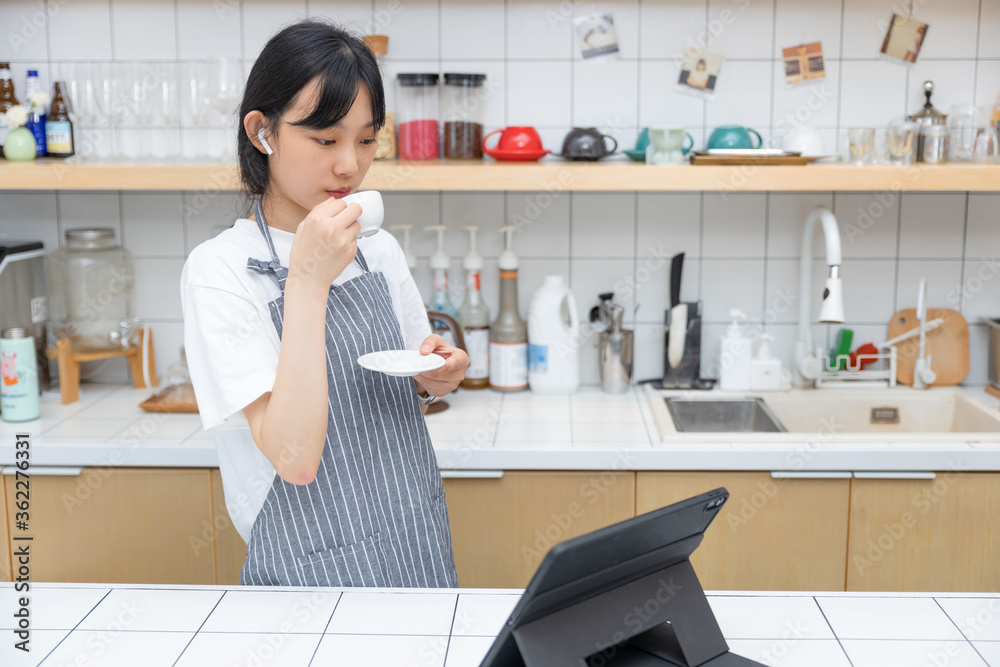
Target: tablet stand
[(662, 619)]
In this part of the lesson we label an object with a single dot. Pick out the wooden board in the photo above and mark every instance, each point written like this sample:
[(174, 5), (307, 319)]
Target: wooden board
[(175, 398), (948, 345), (746, 160), (549, 174)]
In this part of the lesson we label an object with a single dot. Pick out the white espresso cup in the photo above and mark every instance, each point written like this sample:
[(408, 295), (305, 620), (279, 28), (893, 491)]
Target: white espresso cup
[(372, 210)]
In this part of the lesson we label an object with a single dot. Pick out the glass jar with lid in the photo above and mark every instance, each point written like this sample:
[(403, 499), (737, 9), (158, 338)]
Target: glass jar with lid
[(419, 116), (463, 115), (90, 290)]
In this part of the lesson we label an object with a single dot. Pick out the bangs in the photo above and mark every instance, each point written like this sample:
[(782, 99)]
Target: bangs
[(338, 89)]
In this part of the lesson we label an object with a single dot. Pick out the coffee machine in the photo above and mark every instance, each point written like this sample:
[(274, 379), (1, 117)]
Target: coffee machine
[(24, 296)]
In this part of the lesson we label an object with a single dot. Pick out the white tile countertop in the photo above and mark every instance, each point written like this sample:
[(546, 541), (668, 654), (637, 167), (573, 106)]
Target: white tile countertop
[(484, 432), (127, 625)]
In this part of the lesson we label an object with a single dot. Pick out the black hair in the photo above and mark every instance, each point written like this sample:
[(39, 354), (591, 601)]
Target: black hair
[(291, 59)]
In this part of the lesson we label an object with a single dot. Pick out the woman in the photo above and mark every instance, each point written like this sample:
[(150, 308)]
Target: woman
[(331, 480)]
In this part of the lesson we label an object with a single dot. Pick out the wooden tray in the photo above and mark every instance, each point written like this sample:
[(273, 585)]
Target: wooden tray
[(948, 345), (175, 398), (762, 160)]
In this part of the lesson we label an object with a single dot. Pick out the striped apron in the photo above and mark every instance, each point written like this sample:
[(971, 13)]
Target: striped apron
[(375, 515)]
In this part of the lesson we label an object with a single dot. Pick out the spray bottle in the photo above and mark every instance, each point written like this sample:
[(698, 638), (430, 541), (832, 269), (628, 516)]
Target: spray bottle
[(509, 333), (474, 316), (411, 259)]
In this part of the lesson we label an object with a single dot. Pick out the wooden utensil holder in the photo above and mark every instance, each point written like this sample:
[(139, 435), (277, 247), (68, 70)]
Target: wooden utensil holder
[(69, 363)]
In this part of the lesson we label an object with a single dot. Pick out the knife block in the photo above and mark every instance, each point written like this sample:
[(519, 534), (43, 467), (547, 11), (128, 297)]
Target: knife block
[(687, 375)]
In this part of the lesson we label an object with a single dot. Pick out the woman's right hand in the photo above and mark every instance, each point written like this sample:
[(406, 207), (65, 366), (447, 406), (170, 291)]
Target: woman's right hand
[(325, 243)]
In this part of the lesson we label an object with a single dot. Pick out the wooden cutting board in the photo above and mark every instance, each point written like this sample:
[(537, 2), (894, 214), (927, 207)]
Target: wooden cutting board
[(175, 398), (948, 345)]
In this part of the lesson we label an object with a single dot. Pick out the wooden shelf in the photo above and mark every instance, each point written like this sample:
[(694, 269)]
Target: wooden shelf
[(555, 175)]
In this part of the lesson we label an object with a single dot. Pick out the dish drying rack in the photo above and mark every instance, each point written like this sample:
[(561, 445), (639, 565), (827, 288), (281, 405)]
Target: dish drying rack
[(854, 375)]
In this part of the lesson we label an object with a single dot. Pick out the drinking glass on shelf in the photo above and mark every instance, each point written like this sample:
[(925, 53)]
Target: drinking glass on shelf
[(133, 109), (104, 137), (225, 82), (195, 119), (861, 140), (164, 104), (984, 150), (901, 139), (962, 131)]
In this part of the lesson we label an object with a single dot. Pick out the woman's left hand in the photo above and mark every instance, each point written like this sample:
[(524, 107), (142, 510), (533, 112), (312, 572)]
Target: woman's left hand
[(443, 380)]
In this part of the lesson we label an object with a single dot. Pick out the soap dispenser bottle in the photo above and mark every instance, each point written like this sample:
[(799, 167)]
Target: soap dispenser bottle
[(440, 301), (411, 259), (508, 333), (765, 370), (734, 361), (474, 317)]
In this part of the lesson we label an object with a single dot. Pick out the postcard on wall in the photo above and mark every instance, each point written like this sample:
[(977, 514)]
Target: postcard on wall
[(596, 37), (699, 72), (804, 62), (903, 39)]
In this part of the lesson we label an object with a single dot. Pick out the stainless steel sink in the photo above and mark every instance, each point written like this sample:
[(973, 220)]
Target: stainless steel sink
[(735, 415)]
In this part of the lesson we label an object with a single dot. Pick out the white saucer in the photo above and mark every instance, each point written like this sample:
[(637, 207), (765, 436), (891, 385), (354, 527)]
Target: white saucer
[(401, 363)]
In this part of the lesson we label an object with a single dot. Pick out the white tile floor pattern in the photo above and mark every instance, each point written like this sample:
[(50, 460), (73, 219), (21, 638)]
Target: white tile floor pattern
[(113, 626)]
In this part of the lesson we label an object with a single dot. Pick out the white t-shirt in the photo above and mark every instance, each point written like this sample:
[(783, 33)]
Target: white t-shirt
[(232, 346)]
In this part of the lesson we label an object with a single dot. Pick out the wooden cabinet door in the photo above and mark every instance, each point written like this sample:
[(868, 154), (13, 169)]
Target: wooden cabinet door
[(122, 525), (230, 548), (773, 534), (940, 534), (502, 528)]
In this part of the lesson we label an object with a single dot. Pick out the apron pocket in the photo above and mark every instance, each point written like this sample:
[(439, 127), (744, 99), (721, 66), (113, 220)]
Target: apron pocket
[(355, 565)]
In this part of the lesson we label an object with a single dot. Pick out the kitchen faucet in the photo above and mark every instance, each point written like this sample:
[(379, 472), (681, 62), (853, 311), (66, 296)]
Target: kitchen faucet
[(807, 364), (923, 376)]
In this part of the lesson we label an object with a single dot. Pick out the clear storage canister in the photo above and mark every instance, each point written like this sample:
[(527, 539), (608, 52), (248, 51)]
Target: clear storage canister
[(418, 113), (90, 289), (463, 115)]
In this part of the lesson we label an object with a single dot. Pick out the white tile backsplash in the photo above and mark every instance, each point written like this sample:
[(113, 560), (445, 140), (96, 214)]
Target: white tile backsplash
[(670, 26), (952, 25), (26, 37), (207, 30), (604, 94), (734, 225), (80, 30), (412, 27), (603, 225), (538, 94), (738, 99), (869, 223), (872, 93), (989, 38), (539, 30), (263, 18), (944, 283), (133, 39), (806, 21), (740, 27), (472, 29), (742, 252), (932, 225)]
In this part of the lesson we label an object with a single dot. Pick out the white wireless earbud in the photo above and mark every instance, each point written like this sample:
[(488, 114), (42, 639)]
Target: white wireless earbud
[(263, 141)]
